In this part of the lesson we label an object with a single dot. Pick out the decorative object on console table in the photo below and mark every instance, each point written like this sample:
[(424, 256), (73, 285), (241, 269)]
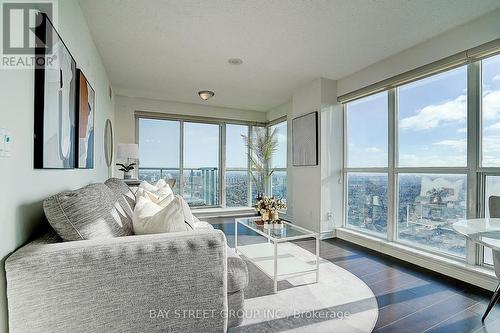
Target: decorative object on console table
[(305, 140), (54, 100), (85, 122), (129, 151), (132, 182)]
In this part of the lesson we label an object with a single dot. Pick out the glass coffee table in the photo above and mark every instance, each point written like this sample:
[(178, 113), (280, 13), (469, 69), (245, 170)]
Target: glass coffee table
[(268, 257)]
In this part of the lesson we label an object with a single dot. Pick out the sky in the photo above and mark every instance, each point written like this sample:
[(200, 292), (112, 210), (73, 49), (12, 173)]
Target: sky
[(159, 142), (432, 122)]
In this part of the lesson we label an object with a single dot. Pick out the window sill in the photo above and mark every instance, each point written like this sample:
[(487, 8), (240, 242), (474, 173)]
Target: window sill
[(460, 270), (223, 212)]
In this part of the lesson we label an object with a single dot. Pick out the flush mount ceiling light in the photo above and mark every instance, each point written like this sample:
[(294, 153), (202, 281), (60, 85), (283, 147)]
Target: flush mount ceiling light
[(206, 94), (235, 61)]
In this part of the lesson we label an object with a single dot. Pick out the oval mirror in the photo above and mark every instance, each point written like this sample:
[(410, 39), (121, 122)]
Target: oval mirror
[(108, 142)]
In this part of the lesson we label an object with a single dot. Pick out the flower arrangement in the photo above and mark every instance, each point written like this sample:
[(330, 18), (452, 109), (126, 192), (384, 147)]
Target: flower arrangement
[(268, 207)]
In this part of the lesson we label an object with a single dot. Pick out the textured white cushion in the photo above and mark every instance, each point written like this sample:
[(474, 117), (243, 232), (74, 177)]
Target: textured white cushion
[(160, 183), (146, 194), (200, 225), (150, 218), (147, 186), (166, 200), (162, 201), (160, 188), (186, 210)]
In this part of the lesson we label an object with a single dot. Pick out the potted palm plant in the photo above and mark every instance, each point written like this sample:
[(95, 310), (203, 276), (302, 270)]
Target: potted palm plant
[(261, 146)]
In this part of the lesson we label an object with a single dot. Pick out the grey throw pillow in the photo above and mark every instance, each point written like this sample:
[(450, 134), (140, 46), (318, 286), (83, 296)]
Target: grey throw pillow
[(125, 198), (86, 213)]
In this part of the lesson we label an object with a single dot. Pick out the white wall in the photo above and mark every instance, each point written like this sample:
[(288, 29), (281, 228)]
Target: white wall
[(332, 144), (482, 30), (126, 106), (24, 188), (280, 111), (316, 190), (306, 181)]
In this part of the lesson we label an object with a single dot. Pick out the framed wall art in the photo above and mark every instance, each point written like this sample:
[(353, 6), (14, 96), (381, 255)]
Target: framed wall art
[(54, 100), (85, 122), (305, 140)]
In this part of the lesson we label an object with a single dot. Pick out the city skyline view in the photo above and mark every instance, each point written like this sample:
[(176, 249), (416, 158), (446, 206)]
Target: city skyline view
[(160, 144)]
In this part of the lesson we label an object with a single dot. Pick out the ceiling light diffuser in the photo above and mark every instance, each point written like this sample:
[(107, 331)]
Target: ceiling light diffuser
[(206, 94), (235, 61)]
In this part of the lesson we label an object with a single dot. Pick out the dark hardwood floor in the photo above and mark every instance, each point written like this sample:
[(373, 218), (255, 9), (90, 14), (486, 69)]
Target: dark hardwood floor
[(410, 299)]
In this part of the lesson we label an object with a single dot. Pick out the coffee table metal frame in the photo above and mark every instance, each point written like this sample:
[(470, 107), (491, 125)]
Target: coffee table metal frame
[(276, 241)]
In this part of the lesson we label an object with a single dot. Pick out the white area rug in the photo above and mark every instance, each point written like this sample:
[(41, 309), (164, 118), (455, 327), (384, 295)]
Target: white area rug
[(340, 302)]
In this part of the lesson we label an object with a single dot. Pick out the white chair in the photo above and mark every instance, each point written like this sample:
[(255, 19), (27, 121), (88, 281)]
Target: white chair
[(494, 205)]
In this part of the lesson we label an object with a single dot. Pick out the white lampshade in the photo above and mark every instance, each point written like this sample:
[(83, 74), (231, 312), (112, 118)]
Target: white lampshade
[(127, 150)]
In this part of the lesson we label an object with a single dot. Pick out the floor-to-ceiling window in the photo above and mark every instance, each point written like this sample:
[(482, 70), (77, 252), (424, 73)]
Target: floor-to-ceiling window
[(427, 150), (208, 159), (432, 160), (257, 186), (159, 151), (201, 164), (490, 135), (366, 164), (237, 174), (279, 161), (491, 112)]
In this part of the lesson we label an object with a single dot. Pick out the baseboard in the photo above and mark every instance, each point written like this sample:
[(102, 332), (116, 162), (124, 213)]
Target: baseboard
[(327, 234), (479, 276)]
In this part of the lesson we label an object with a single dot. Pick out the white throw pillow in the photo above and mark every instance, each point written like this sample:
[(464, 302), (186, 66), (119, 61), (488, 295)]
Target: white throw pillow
[(147, 186), (146, 194), (160, 188), (161, 183), (150, 218), (164, 202), (155, 198), (189, 218), (164, 192)]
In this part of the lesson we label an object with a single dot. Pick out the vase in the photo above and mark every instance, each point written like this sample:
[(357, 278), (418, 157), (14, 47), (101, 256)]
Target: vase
[(274, 216), (127, 175)]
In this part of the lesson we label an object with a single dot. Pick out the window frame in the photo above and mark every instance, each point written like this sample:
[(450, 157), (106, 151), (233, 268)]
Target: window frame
[(475, 173), (481, 172), (353, 170), (222, 169), (226, 169), (277, 122)]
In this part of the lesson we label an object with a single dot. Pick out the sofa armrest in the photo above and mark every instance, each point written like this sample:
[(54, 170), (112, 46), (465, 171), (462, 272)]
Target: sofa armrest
[(237, 272), (173, 282)]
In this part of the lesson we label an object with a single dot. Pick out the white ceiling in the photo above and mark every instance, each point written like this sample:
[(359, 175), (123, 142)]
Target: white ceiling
[(172, 49)]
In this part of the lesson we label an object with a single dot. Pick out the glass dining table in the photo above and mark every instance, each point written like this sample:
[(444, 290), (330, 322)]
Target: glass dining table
[(485, 232)]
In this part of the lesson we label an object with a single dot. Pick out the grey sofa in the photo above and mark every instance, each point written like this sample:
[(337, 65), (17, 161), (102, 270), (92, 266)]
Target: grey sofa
[(173, 282)]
